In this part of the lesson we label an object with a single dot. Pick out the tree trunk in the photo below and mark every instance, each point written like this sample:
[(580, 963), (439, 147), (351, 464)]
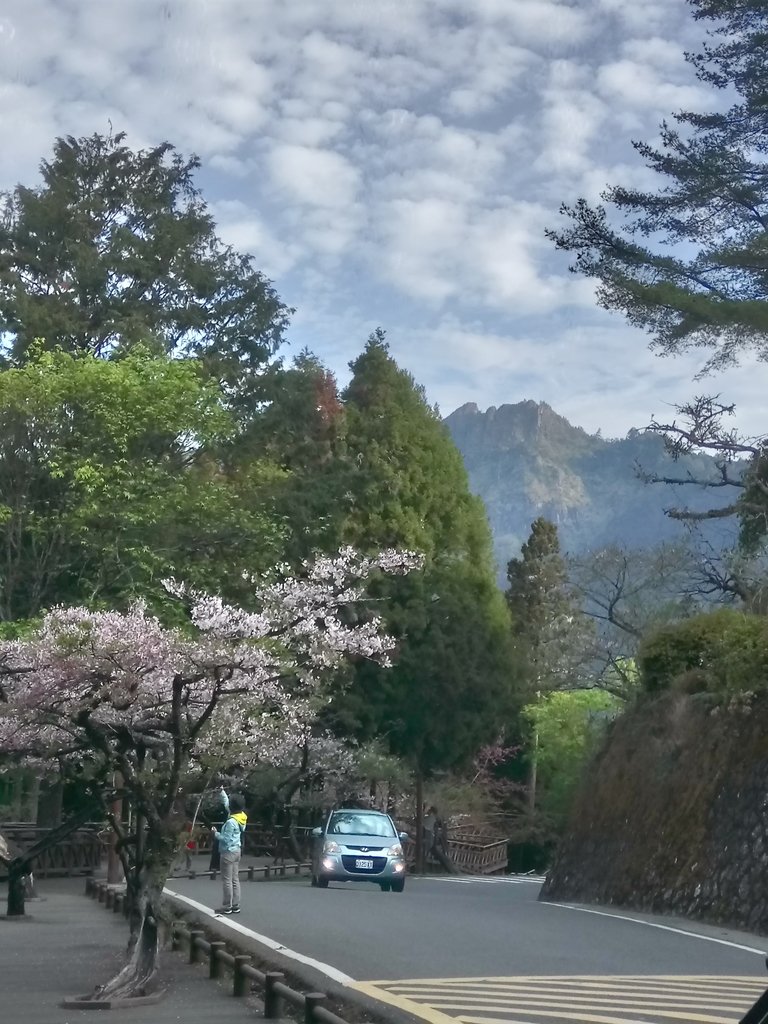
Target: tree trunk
[(20, 866), (157, 847), (135, 978), (146, 882), (294, 846), (50, 804), (419, 822), (532, 771), (17, 888), (115, 873)]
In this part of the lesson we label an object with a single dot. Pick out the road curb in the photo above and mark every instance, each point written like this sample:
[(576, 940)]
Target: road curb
[(352, 1005)]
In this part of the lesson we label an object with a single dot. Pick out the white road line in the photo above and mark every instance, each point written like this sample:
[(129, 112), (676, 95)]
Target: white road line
[(330, 972), (484, 880), (663, 927)]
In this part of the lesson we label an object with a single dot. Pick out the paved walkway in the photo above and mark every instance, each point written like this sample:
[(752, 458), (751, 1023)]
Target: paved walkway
[(68, 944)]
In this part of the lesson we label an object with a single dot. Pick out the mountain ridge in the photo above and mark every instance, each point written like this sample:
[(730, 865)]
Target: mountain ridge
[(525, 460)]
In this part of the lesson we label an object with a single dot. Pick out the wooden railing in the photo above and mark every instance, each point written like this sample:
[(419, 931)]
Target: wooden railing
[(77, 854), (310, 1007), (480, 855), (260, 841)]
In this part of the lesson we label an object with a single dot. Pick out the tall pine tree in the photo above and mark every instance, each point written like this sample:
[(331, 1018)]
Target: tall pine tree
[(452, 688), (551, 633), (687, 261), (117, 246)]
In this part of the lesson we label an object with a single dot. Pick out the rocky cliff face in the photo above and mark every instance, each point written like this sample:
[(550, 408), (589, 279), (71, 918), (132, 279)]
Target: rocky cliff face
[(525, 461), (673, 816)]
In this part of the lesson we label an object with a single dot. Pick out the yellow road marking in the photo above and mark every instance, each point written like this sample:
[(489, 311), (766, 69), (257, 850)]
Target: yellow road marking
[(670, 998), (571, 998), (640, 1000), (619, 983), (585, 979), (417, 1009), (629, 1015), (626, 1011)]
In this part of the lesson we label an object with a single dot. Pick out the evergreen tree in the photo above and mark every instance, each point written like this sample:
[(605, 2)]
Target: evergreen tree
[(302, 432), (452, 685), (551, 633), (410, 484), (117, 246), (690, 263)]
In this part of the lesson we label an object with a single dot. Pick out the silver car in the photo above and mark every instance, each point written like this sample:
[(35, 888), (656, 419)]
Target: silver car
[(359, 846)]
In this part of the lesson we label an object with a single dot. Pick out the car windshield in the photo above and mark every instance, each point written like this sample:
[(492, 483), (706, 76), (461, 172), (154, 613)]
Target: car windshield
[(358, 823)]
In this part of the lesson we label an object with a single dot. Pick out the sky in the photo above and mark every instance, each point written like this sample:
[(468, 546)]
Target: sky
[(395, 163)]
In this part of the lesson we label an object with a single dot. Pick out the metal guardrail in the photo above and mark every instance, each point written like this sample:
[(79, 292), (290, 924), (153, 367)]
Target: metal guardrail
[(245, 977)]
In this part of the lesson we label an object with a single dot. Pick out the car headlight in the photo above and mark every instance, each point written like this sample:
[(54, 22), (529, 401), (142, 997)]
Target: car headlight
[(395, 851), (331, 847)]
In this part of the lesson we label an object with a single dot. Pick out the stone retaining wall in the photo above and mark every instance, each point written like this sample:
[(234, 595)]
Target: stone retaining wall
[(673, 816)]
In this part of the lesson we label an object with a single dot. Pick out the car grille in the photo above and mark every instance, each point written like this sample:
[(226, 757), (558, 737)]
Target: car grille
[(379, 863)]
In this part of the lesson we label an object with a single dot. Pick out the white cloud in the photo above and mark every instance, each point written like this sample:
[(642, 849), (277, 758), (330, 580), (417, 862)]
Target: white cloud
[(317, 177), (637, 85), (391, 159), (242, 228)]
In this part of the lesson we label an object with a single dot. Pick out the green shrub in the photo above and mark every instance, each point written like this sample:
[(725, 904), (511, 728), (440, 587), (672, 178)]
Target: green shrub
[(721, 652)]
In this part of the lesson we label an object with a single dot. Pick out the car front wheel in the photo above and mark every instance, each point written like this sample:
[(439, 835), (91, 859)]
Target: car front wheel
[(322, 883), (398, 885)]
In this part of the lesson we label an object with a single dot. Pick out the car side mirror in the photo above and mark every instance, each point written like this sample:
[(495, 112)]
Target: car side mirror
[(317, 833), (403, 837)]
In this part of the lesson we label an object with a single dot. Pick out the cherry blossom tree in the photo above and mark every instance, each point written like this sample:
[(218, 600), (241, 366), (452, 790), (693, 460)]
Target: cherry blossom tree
[(120, 696)]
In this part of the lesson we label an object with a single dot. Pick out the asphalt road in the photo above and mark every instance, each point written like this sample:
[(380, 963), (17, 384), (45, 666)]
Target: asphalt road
[(446, 927)]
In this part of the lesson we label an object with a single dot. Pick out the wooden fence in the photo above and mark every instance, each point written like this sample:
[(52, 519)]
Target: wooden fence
[(260, 841), (478, 855), (311, 1006), (79, 853)]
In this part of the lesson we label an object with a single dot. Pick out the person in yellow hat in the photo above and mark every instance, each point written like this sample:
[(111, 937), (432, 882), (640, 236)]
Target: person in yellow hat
[(230, 841)]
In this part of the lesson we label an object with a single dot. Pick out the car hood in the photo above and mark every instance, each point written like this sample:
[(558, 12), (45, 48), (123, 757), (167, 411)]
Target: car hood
[(362, 844)]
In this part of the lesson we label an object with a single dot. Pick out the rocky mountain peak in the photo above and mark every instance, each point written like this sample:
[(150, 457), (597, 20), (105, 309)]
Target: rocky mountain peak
[(525, 460), (506, 426)]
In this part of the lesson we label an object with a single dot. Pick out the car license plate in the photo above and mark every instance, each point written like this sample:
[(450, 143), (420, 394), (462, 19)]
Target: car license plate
[(363, 864)]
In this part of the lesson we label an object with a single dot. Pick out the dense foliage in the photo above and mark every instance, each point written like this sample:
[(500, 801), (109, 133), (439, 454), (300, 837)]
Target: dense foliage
[(453, 685), (723, 652), (148, 432), (109, 481), (117, 247), (569, 727)]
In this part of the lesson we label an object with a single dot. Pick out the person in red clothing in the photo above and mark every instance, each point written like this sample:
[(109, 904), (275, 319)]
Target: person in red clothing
[(189, 847)]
